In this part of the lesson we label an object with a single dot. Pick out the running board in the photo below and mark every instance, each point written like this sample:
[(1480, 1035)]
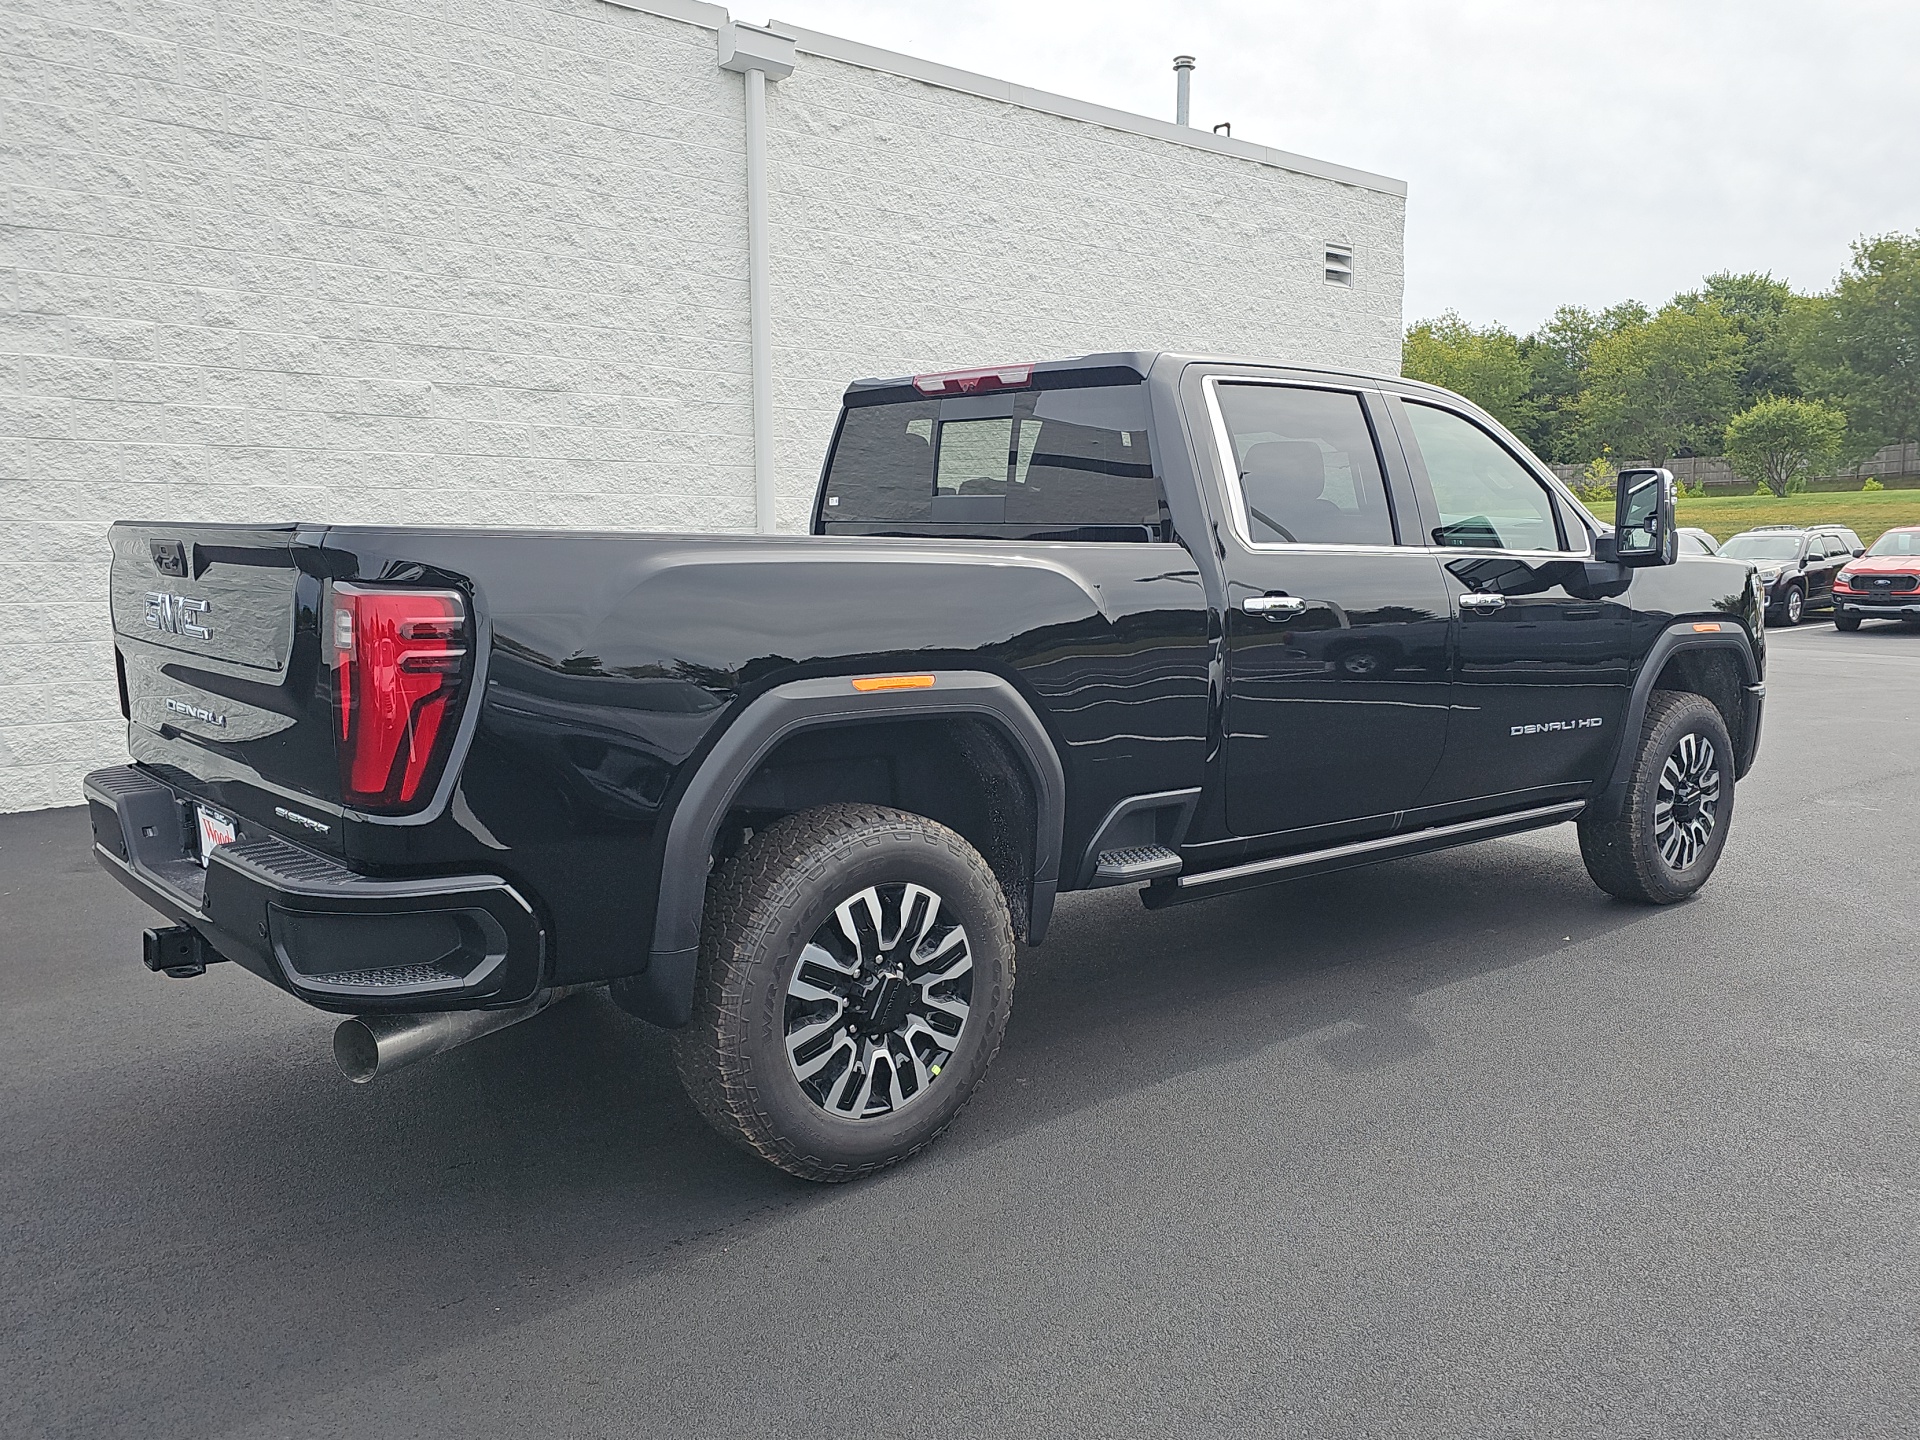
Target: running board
[(1208, 883)]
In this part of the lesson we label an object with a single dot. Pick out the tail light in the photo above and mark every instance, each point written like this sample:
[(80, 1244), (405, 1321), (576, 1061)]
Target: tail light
[(399, 660)]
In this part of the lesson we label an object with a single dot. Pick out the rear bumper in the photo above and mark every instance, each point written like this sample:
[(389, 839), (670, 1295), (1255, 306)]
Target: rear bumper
[(337, 939)]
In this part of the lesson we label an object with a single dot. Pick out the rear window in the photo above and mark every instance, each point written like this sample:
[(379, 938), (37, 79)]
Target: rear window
[(1066, 464)]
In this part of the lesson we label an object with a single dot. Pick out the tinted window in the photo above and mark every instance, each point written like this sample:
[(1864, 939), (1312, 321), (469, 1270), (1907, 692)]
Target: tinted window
[(1486, 499), (1308, 470), (1070, 463)]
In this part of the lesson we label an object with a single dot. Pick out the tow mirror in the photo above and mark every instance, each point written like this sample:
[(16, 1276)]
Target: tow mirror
[(1643, 528)]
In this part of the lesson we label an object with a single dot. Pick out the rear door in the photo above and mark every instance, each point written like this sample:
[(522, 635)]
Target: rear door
[(1336, 633), (1826, 553), (1541, 638)]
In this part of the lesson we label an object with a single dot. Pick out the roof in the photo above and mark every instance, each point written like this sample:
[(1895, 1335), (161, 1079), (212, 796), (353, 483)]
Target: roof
[(1141, 361), (966, 82)]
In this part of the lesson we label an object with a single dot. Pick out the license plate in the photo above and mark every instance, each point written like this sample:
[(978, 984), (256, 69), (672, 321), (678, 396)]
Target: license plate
[(215, 830)]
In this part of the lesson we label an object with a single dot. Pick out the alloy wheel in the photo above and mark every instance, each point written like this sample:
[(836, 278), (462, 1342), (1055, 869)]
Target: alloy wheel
[(1684, 810), (878, 1001)]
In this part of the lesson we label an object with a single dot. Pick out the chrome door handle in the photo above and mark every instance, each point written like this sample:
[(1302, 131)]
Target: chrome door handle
[(1483, 602), (1274, 607)]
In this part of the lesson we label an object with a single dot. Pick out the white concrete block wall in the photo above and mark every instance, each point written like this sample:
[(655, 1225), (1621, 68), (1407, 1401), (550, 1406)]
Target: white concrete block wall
[(484, 261)]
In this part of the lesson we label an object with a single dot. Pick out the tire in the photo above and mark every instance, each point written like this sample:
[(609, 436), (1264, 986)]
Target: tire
[(1794, 607), (1848, 623), (795, 950), (1684, 750)]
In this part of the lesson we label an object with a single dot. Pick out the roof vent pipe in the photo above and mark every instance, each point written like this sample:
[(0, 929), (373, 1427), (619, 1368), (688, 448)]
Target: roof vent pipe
[(1183, 87)]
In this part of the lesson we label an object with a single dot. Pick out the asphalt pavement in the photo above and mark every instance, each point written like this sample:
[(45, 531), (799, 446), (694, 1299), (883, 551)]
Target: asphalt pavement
[(1455, 1146)]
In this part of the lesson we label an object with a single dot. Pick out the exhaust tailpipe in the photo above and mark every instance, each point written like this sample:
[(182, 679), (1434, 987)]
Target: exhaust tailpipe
[(368, 1046)]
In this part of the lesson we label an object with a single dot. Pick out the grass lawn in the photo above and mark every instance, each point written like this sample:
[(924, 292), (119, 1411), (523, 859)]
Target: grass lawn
[(1866, 515)]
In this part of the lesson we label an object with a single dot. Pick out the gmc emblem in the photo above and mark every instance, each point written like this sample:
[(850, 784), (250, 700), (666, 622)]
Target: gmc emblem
[(172, 615)]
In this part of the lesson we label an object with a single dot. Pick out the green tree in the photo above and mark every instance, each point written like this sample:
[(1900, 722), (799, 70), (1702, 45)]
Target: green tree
[(1782, 443), (1664, 387), (1860, 347), (1485, 365), (1558, 353), (1761, 309)]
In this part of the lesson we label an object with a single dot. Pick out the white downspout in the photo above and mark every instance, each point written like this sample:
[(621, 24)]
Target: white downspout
[(759, 56)]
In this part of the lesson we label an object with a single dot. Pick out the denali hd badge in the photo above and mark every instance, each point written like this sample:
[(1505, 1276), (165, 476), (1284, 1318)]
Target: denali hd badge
[(174, 615), (1549, 725)]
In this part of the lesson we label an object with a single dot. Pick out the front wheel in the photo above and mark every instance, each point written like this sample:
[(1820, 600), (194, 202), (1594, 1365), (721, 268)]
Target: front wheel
[(856, 972), (1669, 834), (1846, 622), (1794, 607)]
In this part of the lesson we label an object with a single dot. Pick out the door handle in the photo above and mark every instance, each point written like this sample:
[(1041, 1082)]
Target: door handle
[(1274, 607), (1478, 601)]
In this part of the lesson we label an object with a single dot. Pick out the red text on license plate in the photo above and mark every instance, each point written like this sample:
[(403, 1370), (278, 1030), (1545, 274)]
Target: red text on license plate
[(215, 830)]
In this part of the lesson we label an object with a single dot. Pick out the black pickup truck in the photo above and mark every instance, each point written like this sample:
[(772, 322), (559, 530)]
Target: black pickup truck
[(1162, 620)]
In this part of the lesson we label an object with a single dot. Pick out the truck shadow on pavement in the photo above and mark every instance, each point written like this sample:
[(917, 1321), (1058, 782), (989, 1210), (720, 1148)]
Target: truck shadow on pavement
[(220, 1225)]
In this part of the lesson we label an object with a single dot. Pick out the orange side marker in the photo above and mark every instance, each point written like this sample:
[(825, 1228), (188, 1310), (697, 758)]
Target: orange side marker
[(895, 682), (1712, 627)]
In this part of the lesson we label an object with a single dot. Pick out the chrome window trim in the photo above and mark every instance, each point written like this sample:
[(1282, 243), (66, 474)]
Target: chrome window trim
[(1236, 502), (1230, 471)]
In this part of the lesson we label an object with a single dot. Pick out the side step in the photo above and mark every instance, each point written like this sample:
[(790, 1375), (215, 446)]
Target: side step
[(1135, 865), (1363, 852)]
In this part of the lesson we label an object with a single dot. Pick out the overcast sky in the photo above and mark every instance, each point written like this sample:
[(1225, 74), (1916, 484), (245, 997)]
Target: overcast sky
[(1555, 151)]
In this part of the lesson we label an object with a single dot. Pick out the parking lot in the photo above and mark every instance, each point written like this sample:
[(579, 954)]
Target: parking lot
[(1455, 1146)]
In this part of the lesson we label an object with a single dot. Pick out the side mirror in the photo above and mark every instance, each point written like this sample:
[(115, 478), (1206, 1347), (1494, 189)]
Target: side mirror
[(1858, 551), (1643, 528)]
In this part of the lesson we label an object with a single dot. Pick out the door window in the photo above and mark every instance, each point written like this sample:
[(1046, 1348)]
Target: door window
[(1307, 471), (1485, 498)]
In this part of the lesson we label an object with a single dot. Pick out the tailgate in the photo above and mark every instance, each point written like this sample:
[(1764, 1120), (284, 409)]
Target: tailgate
[(223, 681)]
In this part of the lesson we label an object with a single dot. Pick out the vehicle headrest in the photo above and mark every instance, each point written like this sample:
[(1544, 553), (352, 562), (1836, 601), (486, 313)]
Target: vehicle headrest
[(1295, 467)]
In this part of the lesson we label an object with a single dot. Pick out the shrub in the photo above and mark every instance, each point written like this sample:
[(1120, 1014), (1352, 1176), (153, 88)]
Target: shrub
[(1871, 486), (1780, 443), (1595, 486)]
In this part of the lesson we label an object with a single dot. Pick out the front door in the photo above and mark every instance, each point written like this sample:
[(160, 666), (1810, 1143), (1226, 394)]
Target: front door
[(1541, 639), (1336, 633)]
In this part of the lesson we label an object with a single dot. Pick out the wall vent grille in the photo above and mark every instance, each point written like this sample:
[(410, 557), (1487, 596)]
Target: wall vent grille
[(1339, 264)]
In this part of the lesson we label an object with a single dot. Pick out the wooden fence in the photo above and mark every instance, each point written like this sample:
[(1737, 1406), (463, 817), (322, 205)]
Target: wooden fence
[(1713, 471)]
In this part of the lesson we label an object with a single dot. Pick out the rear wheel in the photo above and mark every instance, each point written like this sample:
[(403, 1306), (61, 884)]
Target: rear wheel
[(1669, 834), (855, 977), (1845, 622)]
